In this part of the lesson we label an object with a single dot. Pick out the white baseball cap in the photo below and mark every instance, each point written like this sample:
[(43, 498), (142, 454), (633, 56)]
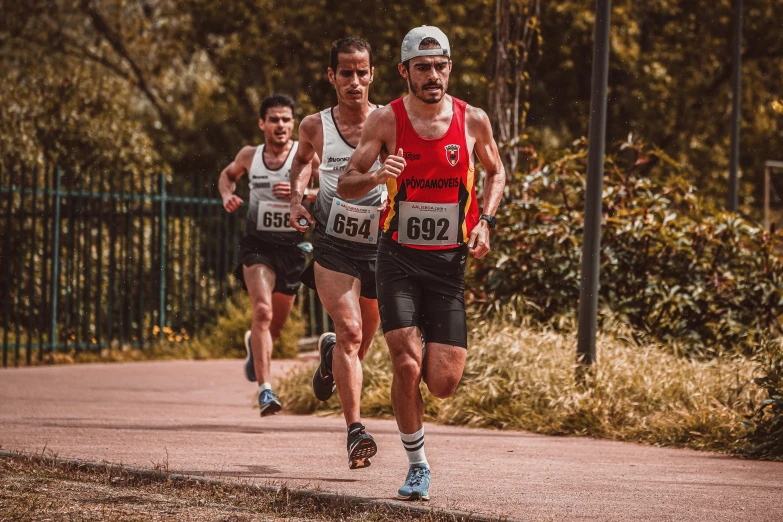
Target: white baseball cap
[(412, 41)]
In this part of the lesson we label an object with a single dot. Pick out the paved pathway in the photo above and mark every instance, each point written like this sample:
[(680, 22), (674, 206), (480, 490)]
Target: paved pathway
[(196, 418)]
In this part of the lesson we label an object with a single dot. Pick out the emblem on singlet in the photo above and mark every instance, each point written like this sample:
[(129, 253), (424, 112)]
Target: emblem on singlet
[(452, 154)]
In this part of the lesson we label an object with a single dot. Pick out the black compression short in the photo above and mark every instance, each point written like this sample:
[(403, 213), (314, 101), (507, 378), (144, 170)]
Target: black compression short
[(286, 260), (424, 288), (334, 255)]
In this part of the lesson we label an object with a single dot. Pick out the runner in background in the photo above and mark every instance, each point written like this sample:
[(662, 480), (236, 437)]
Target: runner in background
[(270, 261), (344, 240)]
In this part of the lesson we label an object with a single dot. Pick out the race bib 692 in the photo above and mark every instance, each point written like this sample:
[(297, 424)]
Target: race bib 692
[(434, 224)]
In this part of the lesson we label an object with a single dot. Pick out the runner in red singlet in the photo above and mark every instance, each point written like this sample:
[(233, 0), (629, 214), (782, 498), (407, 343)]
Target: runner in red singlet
[(427, 141)]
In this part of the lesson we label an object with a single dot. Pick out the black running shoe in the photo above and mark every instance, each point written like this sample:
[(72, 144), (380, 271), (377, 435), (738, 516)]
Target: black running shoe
[(361, 446), (323, 380)]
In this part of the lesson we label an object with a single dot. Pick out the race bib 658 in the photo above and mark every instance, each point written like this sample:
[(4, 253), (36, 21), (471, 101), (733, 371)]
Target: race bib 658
[(273, 217)]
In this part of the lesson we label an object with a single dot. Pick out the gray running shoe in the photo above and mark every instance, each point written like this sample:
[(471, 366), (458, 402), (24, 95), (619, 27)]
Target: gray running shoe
[(417, 483), (361, 446), (250, 371), (269, 403), (323, 380)]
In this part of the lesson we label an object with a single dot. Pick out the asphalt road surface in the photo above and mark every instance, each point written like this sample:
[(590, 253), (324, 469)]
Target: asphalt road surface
[(197, 418)]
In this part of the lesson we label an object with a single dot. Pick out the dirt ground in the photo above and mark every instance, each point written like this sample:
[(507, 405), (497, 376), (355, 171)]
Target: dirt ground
[(32, 489)]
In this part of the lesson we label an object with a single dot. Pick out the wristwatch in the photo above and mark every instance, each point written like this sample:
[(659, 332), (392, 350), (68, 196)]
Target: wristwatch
[(491, 220)]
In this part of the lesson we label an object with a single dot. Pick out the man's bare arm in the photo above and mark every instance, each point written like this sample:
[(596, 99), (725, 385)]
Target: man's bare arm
[(487, 151), (378, 133), (304, 164), (229, 176)]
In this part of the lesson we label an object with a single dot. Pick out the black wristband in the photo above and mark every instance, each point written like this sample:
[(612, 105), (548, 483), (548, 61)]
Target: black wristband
[(491, 220)]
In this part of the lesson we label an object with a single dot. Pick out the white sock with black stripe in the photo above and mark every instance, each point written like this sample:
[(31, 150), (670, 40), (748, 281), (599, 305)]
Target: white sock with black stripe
[(414, 447)]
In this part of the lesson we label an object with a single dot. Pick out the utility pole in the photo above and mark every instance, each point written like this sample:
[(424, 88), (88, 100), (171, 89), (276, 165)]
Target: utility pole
[(735, 110), (591, 261)]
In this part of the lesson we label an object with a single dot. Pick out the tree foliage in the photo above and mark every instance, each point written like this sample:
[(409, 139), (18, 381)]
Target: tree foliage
[(187, 77), (155, 84), (766, 437), (671, 264)]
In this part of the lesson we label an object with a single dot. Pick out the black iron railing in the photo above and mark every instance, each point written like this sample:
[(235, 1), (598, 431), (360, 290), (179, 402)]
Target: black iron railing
[(92, 260)]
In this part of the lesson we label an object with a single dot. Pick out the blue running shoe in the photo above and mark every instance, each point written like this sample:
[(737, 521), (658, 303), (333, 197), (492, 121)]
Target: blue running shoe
[(417, 483), (250, 371), (267, 401), (323, 380)]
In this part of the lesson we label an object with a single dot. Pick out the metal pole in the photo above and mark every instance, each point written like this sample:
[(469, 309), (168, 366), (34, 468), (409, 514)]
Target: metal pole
[(7, 268), (769, 166), (162, 306), (766, 196), (56, 260), (588, 294), (735, 109)]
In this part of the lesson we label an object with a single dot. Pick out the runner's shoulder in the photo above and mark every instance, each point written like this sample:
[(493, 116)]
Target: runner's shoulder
[(245, 156), (477, 121), (381, 119), (476, 115), (311, 126)]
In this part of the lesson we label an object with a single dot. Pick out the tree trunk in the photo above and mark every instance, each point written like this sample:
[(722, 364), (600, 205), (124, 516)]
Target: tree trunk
[(517, 38)]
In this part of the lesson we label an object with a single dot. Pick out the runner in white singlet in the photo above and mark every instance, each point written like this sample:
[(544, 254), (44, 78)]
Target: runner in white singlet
[(344, 240), (270, 261)]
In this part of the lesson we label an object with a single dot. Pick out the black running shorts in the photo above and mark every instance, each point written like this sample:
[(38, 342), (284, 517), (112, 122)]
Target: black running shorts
[(286, 260), (338, 257), (424, 288)]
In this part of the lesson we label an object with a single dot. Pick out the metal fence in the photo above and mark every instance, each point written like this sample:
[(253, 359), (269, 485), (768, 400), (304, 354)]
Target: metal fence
[(93, 260)]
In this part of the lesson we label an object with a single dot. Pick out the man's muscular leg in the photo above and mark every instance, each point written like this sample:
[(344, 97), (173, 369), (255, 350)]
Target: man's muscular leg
[(445, 364), (370, 321), (339, 294), (405, 350), (281, 308), (260, 281)]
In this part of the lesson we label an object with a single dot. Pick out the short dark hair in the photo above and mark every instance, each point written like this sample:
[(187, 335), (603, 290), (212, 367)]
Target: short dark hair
[(348, 45), (276, 100), (426, 43)]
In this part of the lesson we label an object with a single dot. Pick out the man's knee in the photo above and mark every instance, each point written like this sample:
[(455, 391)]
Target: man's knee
[(262, 314), (407, 371), (442, 387), (349, 335)]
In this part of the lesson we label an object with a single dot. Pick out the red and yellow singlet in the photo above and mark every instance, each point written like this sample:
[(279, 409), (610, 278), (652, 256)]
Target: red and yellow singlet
[(432, 204)]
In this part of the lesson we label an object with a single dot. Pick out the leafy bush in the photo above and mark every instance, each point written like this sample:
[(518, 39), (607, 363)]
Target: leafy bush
[(523, 378), (766, 438), (670, 265)]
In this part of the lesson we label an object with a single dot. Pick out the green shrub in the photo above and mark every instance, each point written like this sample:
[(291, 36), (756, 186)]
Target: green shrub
[(670, 265), (766, 437)]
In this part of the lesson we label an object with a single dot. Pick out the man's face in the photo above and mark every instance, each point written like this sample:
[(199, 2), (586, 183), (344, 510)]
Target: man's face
[(352, 78), (277, 125), (428, 77)]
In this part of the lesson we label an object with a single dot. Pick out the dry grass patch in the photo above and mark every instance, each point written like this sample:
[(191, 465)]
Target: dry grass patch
[(520, 378), (32, 488)]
